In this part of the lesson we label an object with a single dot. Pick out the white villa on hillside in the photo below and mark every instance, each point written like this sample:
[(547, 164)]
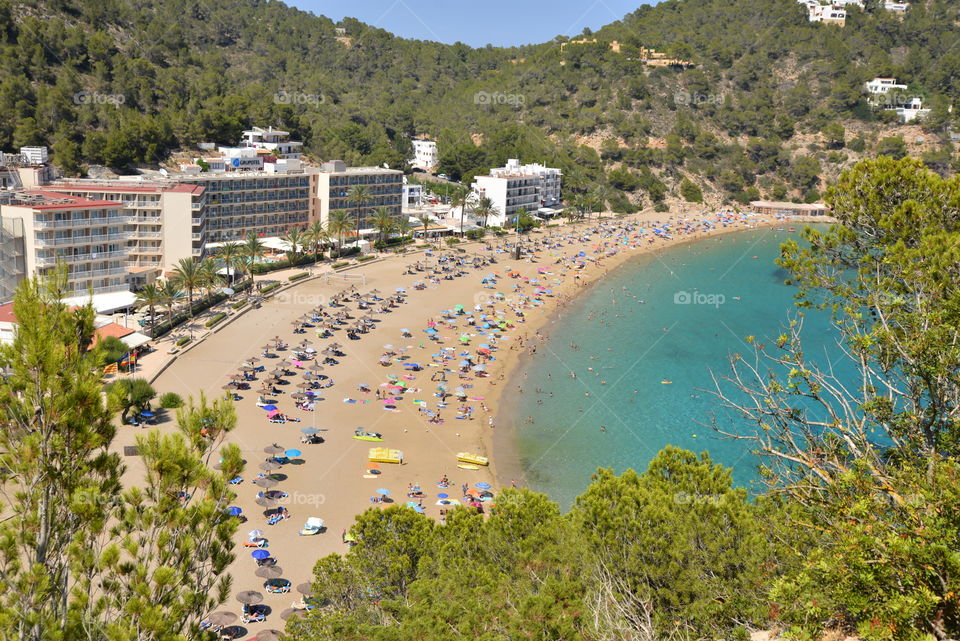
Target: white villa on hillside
[(887, 94)]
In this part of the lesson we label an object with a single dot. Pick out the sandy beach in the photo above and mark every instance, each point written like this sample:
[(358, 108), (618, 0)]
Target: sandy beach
[(331, 480)]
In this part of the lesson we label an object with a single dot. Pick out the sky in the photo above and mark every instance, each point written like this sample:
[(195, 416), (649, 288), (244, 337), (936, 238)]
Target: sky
[(497, 22)]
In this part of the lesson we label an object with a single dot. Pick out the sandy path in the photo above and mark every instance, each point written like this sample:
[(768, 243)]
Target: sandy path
[(331, 484)]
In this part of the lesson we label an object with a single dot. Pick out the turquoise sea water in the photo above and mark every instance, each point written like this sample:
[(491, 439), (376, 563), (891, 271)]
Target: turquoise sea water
[(699, 301)]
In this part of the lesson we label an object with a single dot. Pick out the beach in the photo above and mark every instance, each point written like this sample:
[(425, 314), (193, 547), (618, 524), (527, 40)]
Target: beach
[(332, 480)]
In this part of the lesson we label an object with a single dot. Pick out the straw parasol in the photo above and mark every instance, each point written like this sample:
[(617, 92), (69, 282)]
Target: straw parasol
[(274, 449), (297, 396), (305, 589), (267, 503), (228, 386), (290, 613), (268, 635), (269, 572), (222, 618), (268, 466), (317, 367), (250, 597), (265, 483)]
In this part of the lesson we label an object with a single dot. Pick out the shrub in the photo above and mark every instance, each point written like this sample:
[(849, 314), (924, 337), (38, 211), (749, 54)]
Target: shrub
[(476, 234), (239, 304), (266, 289), (216, 319), (265, 268), (171, 401), (340, 264), (452, 241), (183, 341), (362, 259), (661, 207), (299, 276)]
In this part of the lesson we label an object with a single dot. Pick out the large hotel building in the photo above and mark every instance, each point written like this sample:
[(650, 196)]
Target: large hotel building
[(116, 235)]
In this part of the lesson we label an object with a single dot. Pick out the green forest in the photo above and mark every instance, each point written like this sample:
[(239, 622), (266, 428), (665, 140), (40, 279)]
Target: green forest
[(773, 105)]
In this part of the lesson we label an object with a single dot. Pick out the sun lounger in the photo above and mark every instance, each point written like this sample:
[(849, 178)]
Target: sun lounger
[(256, 543), (253, 617), (314, 525)]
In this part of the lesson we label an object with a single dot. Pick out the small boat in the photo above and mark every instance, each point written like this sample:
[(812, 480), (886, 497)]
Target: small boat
[(468, 466), (666, 382), (362, 435), (473, 459), (385, 455)]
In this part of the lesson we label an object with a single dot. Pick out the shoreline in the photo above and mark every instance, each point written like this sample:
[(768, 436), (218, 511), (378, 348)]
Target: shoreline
[(333, 482), (506, 461)]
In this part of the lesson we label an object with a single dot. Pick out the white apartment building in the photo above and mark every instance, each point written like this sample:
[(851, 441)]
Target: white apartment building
[(335, 182), (168, 220), (425, 155), (274, 140), (34, 155), (412, 195), (516, 187), (88, 236), (886, 94)]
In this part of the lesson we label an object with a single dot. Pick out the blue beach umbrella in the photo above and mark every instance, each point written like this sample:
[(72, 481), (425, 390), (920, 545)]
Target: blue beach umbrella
[(383, 491), (268, 408), (482, 486), (260, 554), (418, 509), (310, 431), (443, 495), (234, 511), (292, 453), (147, 414)]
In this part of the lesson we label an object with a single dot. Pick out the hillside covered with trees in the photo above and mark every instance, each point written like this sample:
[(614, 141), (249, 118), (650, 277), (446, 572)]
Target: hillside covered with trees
[(772, 105)]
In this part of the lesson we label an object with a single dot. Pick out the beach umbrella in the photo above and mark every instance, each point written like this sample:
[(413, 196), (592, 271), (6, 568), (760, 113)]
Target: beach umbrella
[(228, 386), (260, 554), (236, 377), (266, 502), (253, 359), (273, 413), (317, 367), (290, 613), (267, 466), (220, 619), (443, 495), (233, 510), (273, 449), (383, 491), (310, 431), (292, 453), (306, 589), (265, 483), (298, 396), (254, 534), (482, 486), (306, 341), (268, 635), (268, 408), (250, 597), (269, 572), (278, 371)]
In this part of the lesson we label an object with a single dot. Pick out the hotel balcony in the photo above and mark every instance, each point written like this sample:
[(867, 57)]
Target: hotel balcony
[(83, 222), (46, 261), (81, 240), (97, 273)]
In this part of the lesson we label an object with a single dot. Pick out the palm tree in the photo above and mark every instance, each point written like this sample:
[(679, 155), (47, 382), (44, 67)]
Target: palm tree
[(295, 237), (253, 250), (403, 226), (384, 223), (229, 254), (189, 275), (210, 275), (460, 198), (150, 297), (424, 220), (483, 209), (360, 195), (339, 223), (601, 194), (316, 236), (169, 293)]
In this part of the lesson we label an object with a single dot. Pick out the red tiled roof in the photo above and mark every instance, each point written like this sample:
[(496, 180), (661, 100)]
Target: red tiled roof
[(74, 202), (6, 313), (150, 188), (112, 329)]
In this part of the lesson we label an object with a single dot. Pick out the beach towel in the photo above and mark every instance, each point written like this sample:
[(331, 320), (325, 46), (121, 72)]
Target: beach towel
[(349, 400)]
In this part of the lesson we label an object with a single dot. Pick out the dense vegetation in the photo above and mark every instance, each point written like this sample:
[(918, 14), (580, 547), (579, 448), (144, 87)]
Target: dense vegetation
[(774, 106), (857, 534)]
